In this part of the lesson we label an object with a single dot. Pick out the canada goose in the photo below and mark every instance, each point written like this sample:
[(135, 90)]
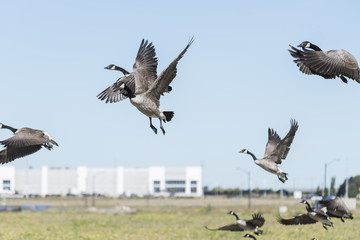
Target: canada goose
[(276, 149), (329, 64), (249, 236), (312, 216), (148, 86), (115, 93), (24, 142), (337, 208), (241, 225)]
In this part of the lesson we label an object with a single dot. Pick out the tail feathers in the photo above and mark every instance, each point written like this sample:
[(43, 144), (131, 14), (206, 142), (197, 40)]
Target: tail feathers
[(168, 115), (258, 232)]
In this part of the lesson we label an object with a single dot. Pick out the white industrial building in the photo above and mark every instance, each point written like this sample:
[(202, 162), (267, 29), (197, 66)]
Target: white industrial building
[(113, 182)]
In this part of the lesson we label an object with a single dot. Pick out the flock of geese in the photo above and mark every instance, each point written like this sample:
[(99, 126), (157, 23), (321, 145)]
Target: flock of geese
[(330, 208), (144, 87)]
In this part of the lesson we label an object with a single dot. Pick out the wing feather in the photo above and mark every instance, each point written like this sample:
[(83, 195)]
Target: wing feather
[(301, 219), (26, 137), (273, 141), (167, 75), (257, 221), (283, 147), (145, 67), (11, 153), (114, 93)]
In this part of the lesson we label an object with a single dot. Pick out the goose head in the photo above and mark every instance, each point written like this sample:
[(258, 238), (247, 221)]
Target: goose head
[(249, 236), (231, 213), (244, 151), (305, 44), (111, 67)]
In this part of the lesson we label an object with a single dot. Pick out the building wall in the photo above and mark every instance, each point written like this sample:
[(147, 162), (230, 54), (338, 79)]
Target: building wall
[(107, 181), (101, 181), (28, 181), (194, 181), (7, 180), (60, 181), (156, 180), (136, 181)]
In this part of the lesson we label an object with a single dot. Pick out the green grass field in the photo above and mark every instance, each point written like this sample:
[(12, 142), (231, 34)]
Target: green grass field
[(161, 219)]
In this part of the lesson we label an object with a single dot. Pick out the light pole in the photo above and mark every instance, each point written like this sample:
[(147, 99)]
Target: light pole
[(249, 187), (326, 164)]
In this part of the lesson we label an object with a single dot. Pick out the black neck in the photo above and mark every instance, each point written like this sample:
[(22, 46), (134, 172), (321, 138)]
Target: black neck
[(252, 237), (251, 154), (237, 217), (10, 128), (308, 207), (314, 47), (121, 69)]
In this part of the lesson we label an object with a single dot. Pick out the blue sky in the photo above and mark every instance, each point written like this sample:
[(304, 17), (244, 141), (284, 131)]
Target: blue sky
[(235, 81)]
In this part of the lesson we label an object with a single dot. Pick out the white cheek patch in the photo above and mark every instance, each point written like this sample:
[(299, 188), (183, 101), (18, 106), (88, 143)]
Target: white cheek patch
[(113, 67), (307, 45)]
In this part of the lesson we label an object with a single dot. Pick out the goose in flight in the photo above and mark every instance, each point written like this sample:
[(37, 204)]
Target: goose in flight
[(337, 208), (312, 216), (24, 142), (253, 224), (276, 150), (144, 86), (328, 64)]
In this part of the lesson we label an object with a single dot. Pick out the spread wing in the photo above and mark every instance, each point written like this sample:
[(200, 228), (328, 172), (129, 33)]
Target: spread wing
[(301, 219), (114, 93), (257, 221), (230, 227), (333, 62), (273, 141), (283, 147), (301, 63), (327, 64), (145, 67), (336, 204), (25, 137), (11, 153), (167, 75)]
